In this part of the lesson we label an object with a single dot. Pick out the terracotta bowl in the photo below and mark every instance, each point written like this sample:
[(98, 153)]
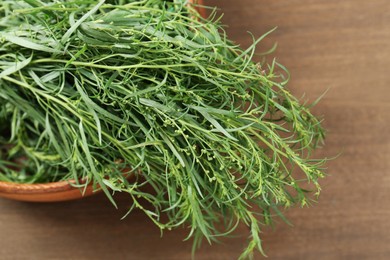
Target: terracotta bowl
[(201, 10), (44, 192), (54, 191)]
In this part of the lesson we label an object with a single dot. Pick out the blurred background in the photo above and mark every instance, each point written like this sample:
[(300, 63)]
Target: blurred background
[(343, 46)]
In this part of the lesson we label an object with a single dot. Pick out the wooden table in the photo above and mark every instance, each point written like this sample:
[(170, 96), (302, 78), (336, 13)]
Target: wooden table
[(343, 46)]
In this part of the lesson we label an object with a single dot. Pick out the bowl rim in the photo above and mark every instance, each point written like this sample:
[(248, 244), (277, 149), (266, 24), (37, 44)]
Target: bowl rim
[(36, 188)]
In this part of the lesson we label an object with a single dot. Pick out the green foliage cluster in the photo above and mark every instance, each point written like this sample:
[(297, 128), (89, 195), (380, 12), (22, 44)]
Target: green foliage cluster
[(89, 90)]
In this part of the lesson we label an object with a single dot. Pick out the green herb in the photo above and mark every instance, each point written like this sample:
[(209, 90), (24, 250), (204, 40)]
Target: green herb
[(89, 89)]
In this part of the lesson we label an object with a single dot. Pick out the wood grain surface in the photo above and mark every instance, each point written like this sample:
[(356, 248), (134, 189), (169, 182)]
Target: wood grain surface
[(343, 46)]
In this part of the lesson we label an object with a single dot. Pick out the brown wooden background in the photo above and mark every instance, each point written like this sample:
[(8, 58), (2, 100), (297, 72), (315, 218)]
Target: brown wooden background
[(340, 45)]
